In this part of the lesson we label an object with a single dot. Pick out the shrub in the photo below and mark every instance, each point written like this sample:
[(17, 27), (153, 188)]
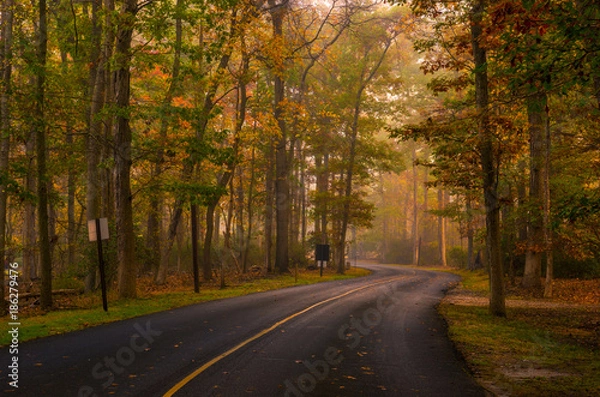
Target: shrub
[(567, 267), (457, 257)]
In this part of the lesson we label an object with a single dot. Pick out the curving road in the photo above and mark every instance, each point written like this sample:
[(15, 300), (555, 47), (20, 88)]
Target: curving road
[(374, 336)]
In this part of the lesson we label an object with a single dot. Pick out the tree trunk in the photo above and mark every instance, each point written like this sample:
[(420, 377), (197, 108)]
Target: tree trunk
[(63, 19), (282, 203), (122, 141), (442, 228), (155, 219), (240, 229), (6, 51), (41, 157), (29, 217), (322, 170), (489, 164), (269, 190), (548, 237), (161, 274), (52, 219), (522, 204), (415, 223), (97, 91), (226, 177), (303, 204), (282, 188), (188, 169), (470, 235), (106, 182), (341, 266), (365, 78), (208, 236), (194, 227), (249, 213), (536, 110), (71, 222)]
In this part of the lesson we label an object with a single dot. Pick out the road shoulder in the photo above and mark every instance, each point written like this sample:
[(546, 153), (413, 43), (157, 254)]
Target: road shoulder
[(543, 347)]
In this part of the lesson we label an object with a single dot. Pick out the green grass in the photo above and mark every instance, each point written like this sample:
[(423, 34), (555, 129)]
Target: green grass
[(551, 351), (61, 321)]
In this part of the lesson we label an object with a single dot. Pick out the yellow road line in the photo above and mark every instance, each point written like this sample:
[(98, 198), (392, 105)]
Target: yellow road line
[(203, 368)]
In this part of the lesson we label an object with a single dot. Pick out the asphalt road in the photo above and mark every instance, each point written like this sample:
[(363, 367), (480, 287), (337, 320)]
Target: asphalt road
[(374, 336)]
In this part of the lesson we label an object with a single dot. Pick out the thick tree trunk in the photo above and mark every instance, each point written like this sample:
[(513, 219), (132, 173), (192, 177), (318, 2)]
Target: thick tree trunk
[(6, 51), (282, 188), (41, 157), (122, 141), (489, 164), (536, 110)]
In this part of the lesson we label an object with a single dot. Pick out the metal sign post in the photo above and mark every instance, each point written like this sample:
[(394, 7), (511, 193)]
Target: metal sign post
[(98, 231)]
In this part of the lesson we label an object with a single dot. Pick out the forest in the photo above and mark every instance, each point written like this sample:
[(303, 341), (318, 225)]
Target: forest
[(230, 135)]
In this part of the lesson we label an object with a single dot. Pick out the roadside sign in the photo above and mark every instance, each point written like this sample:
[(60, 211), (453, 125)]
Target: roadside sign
[(322, 253), (93, 228)]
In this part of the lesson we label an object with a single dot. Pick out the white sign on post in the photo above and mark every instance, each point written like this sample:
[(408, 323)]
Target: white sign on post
[(103, 229)]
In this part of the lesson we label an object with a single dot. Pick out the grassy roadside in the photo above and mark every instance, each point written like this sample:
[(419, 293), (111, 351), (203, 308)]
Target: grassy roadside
[(542, 348), (87, 311)]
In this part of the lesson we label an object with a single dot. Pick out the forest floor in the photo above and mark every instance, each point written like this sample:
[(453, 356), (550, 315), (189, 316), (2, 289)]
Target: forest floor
[(545, 347)]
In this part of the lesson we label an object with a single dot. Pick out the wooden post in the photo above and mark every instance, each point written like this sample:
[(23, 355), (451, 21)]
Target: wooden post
[(101, 264)]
